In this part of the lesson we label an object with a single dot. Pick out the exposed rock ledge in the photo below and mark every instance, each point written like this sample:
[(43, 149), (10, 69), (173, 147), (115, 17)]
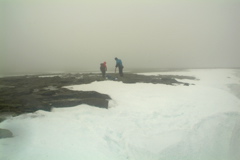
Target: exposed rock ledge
[(5, 133), (24, 94)]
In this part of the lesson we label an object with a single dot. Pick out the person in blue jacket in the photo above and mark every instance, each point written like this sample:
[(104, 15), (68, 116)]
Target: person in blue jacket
[(119, 65)]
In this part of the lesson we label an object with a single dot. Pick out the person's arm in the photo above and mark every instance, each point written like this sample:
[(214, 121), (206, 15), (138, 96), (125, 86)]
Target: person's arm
[(117, 63)]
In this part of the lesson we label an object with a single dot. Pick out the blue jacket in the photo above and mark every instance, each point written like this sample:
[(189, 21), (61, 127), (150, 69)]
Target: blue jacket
[(119, 63)]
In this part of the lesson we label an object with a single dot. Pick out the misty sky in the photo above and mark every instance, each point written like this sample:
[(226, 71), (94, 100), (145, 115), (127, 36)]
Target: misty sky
[(75, 35)]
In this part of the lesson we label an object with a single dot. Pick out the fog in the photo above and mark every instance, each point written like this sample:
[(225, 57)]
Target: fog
[(71, 35)]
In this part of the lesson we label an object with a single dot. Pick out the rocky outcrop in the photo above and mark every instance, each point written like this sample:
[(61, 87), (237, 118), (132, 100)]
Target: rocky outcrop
[(20, 101), (24, 94), (4, 133)]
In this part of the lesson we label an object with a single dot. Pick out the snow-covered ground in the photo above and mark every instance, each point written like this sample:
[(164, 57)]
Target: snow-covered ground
[(144, 122)]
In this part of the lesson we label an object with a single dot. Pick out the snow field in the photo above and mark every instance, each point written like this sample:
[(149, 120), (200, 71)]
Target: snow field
[(144, 122)]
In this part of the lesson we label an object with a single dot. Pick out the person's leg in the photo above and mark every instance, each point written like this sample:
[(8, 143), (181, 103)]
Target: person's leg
[(104, 73), (121, 71)]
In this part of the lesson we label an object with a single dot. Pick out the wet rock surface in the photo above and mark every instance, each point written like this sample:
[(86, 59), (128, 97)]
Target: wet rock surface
[(24, 94), (5, 133)]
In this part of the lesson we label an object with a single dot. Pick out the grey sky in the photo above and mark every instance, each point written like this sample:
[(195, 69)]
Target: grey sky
[(70, 34)]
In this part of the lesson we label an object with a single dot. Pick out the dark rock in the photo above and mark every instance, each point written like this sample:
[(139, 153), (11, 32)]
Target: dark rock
[(2, 119), (4, 133), (64, 103), (24, 94), (47, 93), (6, 115), (98, 102)]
